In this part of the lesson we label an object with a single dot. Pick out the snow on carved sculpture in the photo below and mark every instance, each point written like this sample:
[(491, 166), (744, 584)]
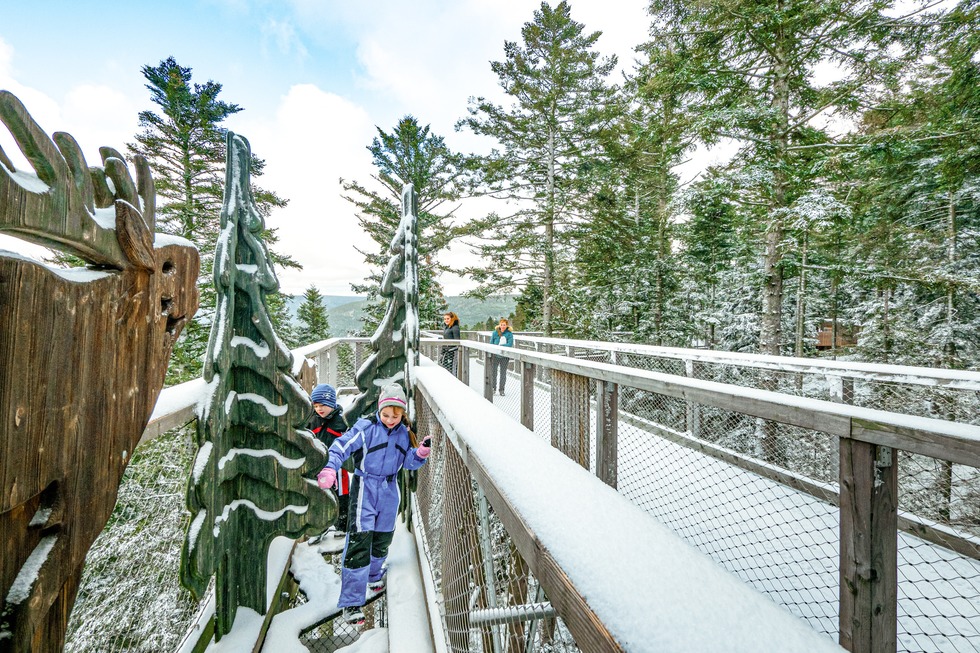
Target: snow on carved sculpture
[(396, 340), (83, 355), (252, 479), (395, 343)]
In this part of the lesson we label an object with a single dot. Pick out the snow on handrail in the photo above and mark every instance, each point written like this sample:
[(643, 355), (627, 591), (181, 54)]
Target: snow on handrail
[(663, 596), (929, 376), (957, 442)]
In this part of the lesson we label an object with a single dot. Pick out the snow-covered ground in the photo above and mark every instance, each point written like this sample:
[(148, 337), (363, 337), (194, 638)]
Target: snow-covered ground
[(781, 541)]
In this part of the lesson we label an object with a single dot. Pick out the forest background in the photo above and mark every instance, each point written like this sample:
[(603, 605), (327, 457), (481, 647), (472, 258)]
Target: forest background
[(849, 202)]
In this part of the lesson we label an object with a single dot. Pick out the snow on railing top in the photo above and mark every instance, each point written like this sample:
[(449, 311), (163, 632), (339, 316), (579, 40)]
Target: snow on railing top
[(662, 596), (929, 376)]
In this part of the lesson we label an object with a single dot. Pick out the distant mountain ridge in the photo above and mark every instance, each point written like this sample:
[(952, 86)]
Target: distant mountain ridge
[(345, 311)]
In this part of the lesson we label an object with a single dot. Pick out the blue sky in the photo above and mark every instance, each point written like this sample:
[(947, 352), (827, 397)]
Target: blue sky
[(314, 78)]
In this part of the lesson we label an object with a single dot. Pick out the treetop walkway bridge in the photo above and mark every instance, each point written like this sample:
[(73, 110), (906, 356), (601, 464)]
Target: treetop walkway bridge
[(618, 497), (859, 525)]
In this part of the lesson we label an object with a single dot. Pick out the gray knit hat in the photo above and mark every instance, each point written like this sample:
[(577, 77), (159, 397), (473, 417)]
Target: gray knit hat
[(392, 395)]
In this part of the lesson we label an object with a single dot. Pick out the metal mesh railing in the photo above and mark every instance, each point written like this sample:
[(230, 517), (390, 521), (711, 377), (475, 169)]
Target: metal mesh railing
[(130, 598), (760, 497), (488, 599)]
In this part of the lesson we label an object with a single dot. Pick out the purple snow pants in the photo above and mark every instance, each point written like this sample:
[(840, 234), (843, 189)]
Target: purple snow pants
[(371, 525)]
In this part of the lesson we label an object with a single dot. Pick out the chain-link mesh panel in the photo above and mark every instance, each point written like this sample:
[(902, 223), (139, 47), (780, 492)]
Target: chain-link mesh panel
[(760, 497), (130, 598), (488, 600)]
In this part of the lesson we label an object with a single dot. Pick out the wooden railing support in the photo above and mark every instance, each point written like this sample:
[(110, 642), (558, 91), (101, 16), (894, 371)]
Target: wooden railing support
[(868, 547), (488, 388), (570, 416), (607, 432), (527, 394)]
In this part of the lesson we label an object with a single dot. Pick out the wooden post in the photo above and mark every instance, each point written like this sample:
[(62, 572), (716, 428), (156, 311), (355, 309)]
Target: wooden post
[(464, 365), (487, 381), (527, 395), (868, 547), (332, 370), (693, 410), (570, 415), (607, 432)]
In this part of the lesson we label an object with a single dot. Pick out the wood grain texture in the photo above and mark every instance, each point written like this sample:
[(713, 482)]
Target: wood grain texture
[(868, 548), (81, 366)]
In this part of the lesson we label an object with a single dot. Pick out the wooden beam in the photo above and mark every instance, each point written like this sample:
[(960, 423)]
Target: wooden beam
[(607, 432), (527, 395), (868, 547)]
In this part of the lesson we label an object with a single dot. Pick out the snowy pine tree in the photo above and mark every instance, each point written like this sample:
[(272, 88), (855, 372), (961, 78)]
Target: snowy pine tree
[(252, 477), (396, 342)]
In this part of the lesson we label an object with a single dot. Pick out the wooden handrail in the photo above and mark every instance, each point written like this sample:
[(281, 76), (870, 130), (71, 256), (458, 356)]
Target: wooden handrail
[(956, 442), (595, 611), (904, 374)]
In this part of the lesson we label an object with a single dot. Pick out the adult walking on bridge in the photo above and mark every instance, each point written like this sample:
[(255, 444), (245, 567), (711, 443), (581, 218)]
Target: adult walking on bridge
[(504, 337), (451, 332)]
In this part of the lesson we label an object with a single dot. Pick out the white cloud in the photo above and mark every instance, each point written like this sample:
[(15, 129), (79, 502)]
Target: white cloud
[(315, 139), (283, 36)]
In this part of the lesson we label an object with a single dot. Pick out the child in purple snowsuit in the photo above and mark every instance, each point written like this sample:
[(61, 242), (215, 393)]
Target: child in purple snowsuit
[(380, 446)]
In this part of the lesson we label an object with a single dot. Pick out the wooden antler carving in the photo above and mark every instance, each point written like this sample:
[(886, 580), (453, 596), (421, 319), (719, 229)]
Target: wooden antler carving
[(74, 209), (83, 355)]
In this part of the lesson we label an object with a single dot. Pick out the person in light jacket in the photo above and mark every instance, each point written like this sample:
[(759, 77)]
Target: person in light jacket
[(504, 337)]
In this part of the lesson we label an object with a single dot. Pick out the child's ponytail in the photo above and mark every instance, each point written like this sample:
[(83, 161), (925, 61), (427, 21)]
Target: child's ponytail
[(412, 438)]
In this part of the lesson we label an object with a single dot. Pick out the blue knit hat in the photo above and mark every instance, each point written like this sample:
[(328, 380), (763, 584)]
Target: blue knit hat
[(324, 394)]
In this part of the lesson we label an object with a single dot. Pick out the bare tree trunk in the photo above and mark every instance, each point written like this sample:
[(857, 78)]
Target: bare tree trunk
[(772, 285), (801, 312), (549, 240), (801, 303), (945, 480)]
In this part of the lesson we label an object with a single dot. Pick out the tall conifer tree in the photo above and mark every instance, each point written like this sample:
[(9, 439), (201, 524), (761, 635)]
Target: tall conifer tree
[(409, 154), (184, 143), (547, 138), (314, 324)]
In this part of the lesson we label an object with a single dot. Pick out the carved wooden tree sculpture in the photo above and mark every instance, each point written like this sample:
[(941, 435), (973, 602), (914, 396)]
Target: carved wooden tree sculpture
[(396, 341), (83, 354), (252, 479)]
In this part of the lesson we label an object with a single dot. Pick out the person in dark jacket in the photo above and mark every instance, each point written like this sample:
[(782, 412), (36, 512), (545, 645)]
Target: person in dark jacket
[(504, 337), (329, 423), (451, 332), (380, 446)]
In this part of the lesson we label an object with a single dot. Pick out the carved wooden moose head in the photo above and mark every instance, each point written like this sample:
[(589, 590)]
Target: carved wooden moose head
[(83, 354)]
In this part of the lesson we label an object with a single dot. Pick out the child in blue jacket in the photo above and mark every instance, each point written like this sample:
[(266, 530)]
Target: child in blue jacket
[(380, 446)]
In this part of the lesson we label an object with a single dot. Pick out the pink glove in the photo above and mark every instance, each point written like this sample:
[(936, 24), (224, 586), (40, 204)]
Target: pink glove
[(424, 450), (327, 478)]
